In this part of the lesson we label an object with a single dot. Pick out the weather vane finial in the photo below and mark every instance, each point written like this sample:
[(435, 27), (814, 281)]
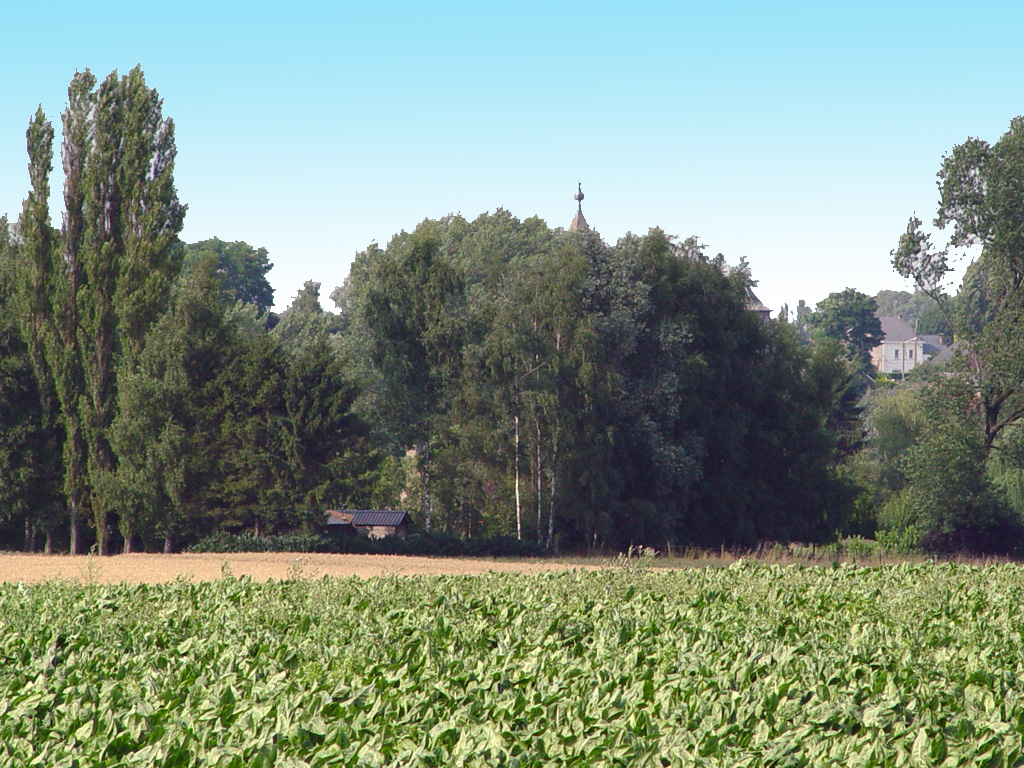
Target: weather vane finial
[(578, 197)]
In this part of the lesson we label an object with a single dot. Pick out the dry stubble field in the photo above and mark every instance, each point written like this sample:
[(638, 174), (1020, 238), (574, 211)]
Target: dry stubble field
[(152, 569)]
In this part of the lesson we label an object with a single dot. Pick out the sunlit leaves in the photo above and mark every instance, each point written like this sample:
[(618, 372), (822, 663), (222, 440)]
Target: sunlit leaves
[(914, 258), (746, 666)]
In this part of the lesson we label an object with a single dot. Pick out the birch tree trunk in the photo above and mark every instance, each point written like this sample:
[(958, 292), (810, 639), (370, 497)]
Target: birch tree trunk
[(519, 508), (540, 486), (426, 485), (552, 481)]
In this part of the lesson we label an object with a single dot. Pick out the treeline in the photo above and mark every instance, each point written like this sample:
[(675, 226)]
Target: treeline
[(950, 445), (553, 386), (939, 463), (495, 377), (143, 399)]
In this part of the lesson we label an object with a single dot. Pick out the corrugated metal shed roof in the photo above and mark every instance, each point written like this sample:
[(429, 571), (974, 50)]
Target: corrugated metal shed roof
[(379, 517), (338, 517), (366, 517)]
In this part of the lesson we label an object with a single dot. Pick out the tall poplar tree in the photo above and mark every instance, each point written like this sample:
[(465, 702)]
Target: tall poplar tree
[(62, 348), (130, 256), (42, 286), (91, 294)]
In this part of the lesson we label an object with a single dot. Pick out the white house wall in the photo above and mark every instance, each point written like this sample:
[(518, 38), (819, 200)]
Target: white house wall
[(911, 353)]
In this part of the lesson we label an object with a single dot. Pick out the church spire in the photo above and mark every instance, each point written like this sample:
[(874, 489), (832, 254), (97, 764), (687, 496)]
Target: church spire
[(578, 222)]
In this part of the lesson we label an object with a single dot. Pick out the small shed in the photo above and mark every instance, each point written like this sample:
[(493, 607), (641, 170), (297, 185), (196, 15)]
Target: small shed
[(372, 523)]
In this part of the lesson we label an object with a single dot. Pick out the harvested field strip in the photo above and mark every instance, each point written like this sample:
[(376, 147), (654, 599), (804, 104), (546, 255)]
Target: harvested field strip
[(749, 665), (152, 569)]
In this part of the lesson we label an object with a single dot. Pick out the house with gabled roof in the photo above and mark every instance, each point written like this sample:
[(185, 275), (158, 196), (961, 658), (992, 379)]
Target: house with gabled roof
[(902, 349)]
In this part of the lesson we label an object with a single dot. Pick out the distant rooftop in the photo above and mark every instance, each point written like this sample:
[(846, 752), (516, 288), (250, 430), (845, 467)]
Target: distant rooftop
[(755, 304), (366, 517), (895, 328)]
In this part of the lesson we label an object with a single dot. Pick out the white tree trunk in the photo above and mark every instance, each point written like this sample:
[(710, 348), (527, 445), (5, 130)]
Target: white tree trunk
[(519, 507), (426, 485), (540, 486), (551, 493)]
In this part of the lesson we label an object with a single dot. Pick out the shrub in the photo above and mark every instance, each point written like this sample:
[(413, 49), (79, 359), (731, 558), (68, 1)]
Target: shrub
[(430, 544), (900, 541), (950, 497), (858, 546)]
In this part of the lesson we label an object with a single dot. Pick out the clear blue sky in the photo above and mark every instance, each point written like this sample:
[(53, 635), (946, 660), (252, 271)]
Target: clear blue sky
[(801, 136)]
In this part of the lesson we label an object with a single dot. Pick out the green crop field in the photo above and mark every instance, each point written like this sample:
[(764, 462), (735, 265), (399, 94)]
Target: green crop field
[(751, 665)]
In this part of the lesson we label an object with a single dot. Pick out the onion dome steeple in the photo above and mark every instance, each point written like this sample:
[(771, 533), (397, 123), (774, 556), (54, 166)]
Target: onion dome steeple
[(578, 222)]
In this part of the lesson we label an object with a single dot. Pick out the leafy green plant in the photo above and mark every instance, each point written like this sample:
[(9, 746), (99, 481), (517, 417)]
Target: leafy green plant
[(900, 541), (859, 546), (747, 665)]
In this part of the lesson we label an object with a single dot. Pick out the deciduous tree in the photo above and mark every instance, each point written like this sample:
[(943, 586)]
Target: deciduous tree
[(91, 294), (408, 310), (981, 189), (849, 317), (242, 269), (30, 442)]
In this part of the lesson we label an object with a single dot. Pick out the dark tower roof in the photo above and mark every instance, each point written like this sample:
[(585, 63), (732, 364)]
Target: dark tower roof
[(578, 222)]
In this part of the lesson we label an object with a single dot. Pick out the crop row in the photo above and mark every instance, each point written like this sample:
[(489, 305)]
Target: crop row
[(745, 666)]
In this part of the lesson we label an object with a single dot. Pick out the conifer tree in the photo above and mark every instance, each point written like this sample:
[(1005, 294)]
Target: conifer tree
[(165, 433), (29, 443)]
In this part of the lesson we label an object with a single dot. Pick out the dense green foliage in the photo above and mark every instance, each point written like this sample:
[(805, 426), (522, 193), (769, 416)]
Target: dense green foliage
[(550, 385), (30, 447), (851, 318), (957, 484), (499, 377), (750, 665), (145, 402), (496, 377), (87, 295), (241, 268)]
